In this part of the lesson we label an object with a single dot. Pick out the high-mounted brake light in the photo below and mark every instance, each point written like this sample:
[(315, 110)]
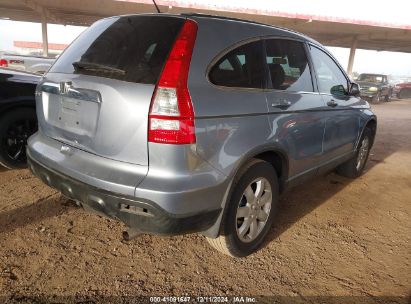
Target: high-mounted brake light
[(4, 63), (171, 117)]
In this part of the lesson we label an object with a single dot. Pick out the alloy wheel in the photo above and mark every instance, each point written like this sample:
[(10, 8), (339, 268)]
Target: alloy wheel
[(362, 153), (254, 209)]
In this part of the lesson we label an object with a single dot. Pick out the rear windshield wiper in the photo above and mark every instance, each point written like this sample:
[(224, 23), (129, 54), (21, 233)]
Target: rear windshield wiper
[(97, 67)]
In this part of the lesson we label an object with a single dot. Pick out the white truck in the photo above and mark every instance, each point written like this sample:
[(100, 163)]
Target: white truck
[(33, 64)]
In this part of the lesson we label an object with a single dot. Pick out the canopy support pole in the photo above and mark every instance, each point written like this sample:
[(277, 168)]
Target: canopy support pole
[(44, 34), (352, 55)]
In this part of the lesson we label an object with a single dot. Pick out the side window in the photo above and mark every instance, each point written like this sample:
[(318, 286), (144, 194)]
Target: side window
[(288, 65), (330, 77), (241, 67)]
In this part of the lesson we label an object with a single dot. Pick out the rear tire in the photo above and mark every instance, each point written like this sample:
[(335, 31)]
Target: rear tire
[(355, 166), (250, 210), (16, 126)]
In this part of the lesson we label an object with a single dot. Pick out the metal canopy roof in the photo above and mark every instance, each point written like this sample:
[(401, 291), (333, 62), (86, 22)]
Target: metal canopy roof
[(329, 31)]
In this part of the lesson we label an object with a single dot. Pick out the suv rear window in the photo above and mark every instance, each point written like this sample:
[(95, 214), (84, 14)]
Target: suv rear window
[(288, 65), (129, 48), (242, 67)]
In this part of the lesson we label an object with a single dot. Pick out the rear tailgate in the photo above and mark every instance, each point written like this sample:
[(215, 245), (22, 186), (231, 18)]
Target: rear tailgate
[(96, 97), (103, 116)]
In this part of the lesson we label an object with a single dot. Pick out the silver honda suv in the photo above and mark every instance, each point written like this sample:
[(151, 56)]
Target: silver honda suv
[(192, 123)]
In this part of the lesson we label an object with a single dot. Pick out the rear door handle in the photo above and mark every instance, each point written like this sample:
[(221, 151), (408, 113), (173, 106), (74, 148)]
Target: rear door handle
[(332, 103)]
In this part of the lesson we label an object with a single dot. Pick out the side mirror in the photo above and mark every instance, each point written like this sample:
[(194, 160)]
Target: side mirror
[(338, 90), (354, 89)]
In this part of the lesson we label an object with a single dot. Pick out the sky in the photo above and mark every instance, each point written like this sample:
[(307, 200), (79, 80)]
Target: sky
[(397, 12), (28, 31), (391, 63)]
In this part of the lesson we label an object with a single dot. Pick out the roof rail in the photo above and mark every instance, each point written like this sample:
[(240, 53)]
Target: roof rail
[(246, 21), (222, 18)]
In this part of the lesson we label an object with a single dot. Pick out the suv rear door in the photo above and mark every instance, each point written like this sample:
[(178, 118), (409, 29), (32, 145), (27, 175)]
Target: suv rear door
[(231, 108), (294, 106), (96, 97)]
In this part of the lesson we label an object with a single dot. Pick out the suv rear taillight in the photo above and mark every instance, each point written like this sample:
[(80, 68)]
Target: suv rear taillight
[(171, 117), (4, 63)]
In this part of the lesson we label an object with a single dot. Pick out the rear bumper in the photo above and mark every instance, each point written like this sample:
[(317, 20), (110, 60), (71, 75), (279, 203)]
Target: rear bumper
[(91, 169), (138, 213)]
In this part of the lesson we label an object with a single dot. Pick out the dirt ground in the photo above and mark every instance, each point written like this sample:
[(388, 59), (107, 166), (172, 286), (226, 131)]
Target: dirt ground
[(332, 237)]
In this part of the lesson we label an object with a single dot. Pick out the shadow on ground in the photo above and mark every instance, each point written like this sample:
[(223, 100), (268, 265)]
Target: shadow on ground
[(36, 212)]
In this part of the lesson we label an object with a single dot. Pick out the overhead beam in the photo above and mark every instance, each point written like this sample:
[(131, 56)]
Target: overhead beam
[(396, 49), (332, 33), (80, 18), (334, 40), (35, 6), (18, 14)]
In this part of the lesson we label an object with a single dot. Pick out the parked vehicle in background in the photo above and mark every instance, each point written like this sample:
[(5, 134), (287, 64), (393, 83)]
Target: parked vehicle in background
[(195, 123), (32, 64), (17, 115), (402, 90), (375, 87)]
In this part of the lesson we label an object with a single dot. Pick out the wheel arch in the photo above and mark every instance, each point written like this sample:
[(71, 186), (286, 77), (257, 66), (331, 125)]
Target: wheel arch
[(279, 161), (372, 125), (274, 155)]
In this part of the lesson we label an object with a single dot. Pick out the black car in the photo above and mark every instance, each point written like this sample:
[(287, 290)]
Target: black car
[(17, 115), (375, 87)]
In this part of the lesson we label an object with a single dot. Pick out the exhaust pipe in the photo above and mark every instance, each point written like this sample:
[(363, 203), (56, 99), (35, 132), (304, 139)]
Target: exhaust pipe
[(130, 234)]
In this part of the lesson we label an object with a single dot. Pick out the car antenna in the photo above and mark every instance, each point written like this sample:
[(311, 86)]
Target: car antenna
[(158, 10)]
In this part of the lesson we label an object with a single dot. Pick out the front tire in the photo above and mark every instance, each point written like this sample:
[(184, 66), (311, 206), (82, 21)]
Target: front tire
[(377, 98), (387, 97), (250, 210), (355, 166)]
